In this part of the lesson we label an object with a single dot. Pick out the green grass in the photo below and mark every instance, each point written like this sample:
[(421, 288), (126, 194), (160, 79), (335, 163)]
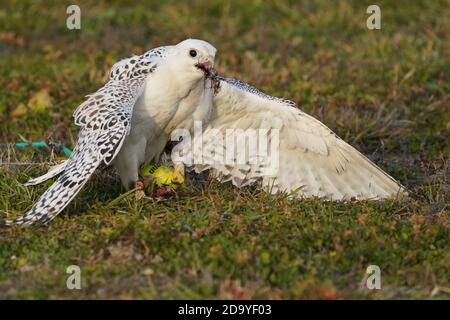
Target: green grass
[(216, 241)]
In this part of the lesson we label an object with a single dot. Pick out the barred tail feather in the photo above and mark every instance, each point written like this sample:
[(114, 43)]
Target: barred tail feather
[(55, 199)]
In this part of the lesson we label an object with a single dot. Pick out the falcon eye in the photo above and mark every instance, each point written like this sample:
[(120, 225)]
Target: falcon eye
[(193, 53)]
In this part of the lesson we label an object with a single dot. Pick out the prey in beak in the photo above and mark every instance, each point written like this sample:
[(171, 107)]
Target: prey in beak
[(207, 68), (211, 73)]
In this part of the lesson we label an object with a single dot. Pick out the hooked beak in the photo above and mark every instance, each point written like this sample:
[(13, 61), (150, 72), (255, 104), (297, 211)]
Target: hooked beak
[(207, 66)]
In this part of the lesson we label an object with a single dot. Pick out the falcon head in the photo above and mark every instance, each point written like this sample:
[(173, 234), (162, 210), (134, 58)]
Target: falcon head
[(197, 56)]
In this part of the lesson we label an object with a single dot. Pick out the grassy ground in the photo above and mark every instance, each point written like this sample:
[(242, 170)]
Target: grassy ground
[(215, 241)]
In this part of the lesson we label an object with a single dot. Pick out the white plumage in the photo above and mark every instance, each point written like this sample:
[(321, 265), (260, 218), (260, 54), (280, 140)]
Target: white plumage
[(129, 121), (313, 160)]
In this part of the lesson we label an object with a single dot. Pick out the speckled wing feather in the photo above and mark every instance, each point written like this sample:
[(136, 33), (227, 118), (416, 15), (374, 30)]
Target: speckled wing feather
[(54, 171), (311, 160), (105, 121)]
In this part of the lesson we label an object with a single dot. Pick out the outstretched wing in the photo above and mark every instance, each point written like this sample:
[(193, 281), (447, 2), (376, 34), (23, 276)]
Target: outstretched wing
[(105, 122), (294, 152), (52, 172), (154, 54)]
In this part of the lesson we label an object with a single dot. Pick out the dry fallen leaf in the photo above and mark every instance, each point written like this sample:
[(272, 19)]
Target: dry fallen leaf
[(11, 38), (19, 111), (14, 84), (41, 100)]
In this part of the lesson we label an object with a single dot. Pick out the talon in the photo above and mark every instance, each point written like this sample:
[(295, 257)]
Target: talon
[(139, 185), (139, 189)]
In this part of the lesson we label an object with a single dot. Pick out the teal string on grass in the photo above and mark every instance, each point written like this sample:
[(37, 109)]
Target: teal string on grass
[(39, 144)]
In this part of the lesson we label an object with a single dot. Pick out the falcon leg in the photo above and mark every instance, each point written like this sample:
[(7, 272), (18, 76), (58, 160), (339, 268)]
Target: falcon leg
[(129, 179), (128, 171)]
